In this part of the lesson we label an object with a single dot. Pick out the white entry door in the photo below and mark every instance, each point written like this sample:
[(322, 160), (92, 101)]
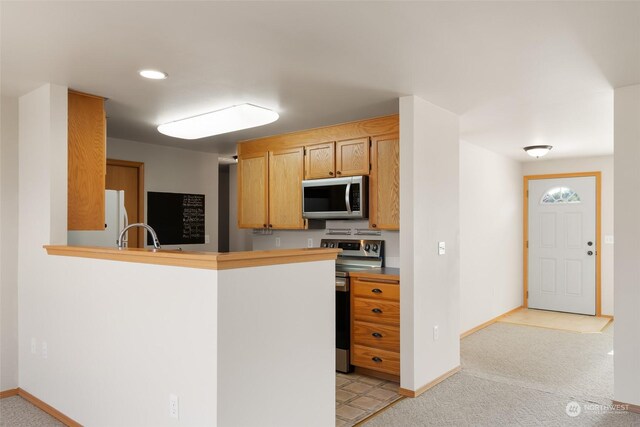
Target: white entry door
[(562, 244)]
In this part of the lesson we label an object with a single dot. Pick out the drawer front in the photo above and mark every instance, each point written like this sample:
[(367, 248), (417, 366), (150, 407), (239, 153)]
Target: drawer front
[(376, 290), (377, 336), (369, 310), (379, 360)]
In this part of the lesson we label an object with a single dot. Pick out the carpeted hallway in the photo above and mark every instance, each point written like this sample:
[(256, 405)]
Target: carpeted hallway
[(515, 375)]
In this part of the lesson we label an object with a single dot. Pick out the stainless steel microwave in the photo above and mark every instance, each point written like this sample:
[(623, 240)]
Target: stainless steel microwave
[(335, 198)]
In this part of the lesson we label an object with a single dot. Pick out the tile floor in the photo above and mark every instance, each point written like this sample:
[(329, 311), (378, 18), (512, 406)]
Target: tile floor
[(359, 396)]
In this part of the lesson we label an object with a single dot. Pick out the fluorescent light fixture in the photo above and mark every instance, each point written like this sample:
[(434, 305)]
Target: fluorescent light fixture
[(537, 150), (153, 74), (229, 119)]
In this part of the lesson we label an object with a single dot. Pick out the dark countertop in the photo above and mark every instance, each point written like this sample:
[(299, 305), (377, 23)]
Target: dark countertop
[(386, 273)]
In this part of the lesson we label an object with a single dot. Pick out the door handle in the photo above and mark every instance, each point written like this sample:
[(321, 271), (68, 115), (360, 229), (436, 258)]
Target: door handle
[(376, 310), (590, 253), (589, 243)]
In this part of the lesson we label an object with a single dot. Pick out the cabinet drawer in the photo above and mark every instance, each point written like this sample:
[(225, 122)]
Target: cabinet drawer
[(379, 360), (376, 311), (377, 336), (375, 290)]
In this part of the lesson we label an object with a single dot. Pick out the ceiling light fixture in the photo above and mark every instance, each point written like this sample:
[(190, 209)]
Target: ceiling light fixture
[(537, 150), (229, 119), (153, 74)]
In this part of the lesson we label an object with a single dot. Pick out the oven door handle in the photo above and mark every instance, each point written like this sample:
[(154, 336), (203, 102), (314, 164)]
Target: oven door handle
[(342, 284)]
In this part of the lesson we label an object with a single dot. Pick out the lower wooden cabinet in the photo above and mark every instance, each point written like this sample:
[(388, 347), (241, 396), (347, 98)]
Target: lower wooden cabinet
[(375, 324)]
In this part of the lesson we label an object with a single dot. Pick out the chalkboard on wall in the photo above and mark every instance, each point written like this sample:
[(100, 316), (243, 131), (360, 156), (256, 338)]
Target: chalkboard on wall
[(177, 218)]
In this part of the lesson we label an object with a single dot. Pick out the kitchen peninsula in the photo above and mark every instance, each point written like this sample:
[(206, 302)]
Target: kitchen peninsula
[(232, 335)]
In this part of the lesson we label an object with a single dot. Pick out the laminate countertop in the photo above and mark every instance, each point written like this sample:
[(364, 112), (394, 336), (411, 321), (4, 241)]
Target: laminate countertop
[(384, 273), (193, 259)]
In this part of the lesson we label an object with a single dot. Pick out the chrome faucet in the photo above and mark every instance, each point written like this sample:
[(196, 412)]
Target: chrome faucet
[(121, 241)]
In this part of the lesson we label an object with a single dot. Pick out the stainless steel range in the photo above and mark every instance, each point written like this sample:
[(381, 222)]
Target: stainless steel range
[(357, 255)]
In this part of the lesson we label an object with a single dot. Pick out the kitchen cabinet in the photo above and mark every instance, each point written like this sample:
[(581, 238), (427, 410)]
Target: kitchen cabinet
[(352, 157), (285, 195), (269, 186), (375, 323), (87, 162), (384, 183), (319, 161), (253, 190)]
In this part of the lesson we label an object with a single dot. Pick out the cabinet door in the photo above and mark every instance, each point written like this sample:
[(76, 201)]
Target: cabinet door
[(285, 189), (352, 157), (384, 183), (86, 162), (253, 191), (319, 161)]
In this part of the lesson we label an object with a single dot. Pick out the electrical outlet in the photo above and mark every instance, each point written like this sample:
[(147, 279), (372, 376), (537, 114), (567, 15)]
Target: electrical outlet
[(45, 350), (173, 406), (277, 242), (309, 243), (207, 239), (436, 333), (608, 240), (34, 346), (441, 250)]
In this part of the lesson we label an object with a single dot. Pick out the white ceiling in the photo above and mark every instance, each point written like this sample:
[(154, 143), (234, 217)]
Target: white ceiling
[(517, 73)]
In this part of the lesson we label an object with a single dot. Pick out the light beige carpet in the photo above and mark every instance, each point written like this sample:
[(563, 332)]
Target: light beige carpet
[(556, 320)]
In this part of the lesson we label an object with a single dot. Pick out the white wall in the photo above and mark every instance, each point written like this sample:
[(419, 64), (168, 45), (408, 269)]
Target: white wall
[(603, 164), (276, 340), (490, 235), (239, 238), (9, 244), (627, 260), (174, 170), (429, 213)]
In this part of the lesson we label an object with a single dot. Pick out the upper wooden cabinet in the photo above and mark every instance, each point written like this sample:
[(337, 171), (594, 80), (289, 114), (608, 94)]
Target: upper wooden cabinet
[(269, 189), (253, 191), (384, 183), (319, 161), (285, 189), (352, 157), (86, 162)]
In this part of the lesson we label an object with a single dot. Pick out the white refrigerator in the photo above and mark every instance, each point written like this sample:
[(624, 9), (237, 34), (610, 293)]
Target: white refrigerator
[(115, 217)]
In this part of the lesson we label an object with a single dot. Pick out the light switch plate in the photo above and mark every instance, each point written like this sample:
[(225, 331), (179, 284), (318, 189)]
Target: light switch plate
[(277, 242), (206, 238), (608, 240), (441, 249)]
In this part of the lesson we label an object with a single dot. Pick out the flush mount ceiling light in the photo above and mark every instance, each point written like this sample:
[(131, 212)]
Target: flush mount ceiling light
[(229, 119), (537, 150), (153, 74)]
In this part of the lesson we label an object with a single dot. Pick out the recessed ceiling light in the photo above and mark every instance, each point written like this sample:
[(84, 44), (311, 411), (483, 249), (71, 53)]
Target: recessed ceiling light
[(537, 150), (153, 74), (229, 119)]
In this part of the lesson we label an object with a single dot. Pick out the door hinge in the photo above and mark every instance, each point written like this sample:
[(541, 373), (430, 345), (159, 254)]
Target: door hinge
[(527, 244), (527, 194), (369, 166), (370, 143), (527, 294)]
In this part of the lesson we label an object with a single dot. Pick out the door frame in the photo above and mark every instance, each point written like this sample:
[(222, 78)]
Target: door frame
[(525, 241), (140, 167)]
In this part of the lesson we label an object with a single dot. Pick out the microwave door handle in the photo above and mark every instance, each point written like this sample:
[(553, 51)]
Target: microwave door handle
[(347, 197)]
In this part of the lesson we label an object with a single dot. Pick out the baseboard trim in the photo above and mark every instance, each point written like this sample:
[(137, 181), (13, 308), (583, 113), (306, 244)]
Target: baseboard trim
[(608, 316), (48, 409), (376, 374), (8, 393), (630, 407), (489, 322), (419, 391)]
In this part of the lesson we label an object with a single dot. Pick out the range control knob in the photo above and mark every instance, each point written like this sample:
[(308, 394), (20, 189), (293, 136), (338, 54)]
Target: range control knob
[(375, 248), (331, 245), (367, 247), (324, 245)]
